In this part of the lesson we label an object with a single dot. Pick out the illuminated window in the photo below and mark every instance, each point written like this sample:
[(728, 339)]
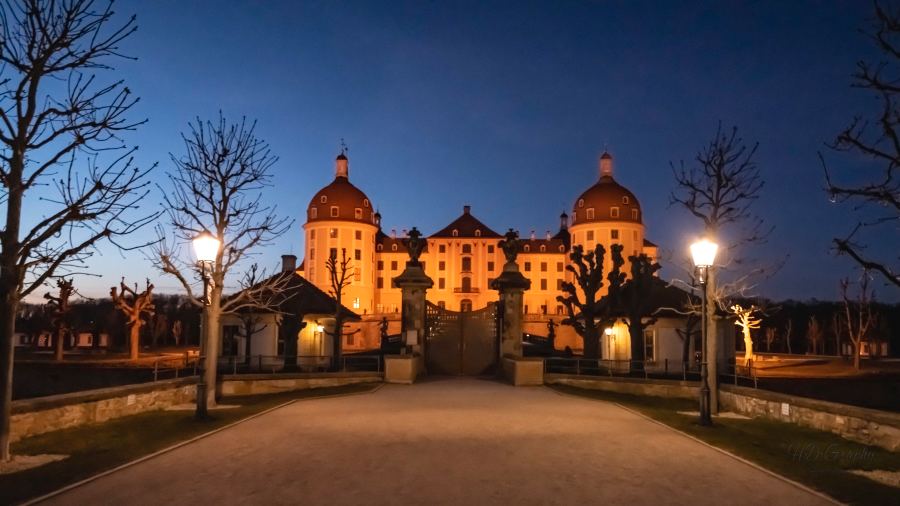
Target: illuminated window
[(313, 213), (650, 345), (334, 211), (357, 213), (467, 248), (613, 212), (332, 233), (614, 234), (589, 213), (323, 199), (358, 235), (355, 306)]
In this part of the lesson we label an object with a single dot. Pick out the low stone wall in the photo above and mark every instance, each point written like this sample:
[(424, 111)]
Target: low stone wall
[(253, 384), (524, 371), (867, 426), (46, 414), (657, 388)]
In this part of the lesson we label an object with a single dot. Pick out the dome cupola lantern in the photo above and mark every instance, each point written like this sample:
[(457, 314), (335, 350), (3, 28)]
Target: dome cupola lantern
[(341, 166), (606, 165)]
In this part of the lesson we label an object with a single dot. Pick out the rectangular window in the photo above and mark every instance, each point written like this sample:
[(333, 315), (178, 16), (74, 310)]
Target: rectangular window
[(312, 234), (589, 213), (527, 266), (380, 265), (559, 310), (543, 309), (490, 248), (543, 266), (393, 265), (442, 283), (442, 304), (649, 345), (543, 284), (312, 253), (614, 234), (442, 248), (356, 303), (350, 339), (357, 254), (334, 211), (634, 214), (559, 284), (442, 265), (634, 235), (332, 233), (379, 283), (358, 235), (490, 266), (313, 213), (526, 309), (613, 212), (357, 213), (356, 275), (590, 235), (332, 253), (559, 267)]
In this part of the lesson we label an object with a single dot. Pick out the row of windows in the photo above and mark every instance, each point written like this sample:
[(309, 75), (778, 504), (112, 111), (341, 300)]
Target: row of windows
[(324, 200), (333, 234), (613, 234), (625, 200)]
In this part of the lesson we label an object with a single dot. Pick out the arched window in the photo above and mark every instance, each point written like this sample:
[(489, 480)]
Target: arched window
[(323, 199), (467, 248), (478, 233), (527, 248), (465, 305), (562, 248), (455, 233), (365, 202), (589, 213), (543, 248), (357, 213), (613, 212), (393, 247), (580, 202), (625, 199), (334, 211), (379, 247)]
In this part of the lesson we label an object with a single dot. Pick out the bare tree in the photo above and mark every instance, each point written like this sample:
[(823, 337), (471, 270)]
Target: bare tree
[(878, 141), (636, 301), (771, 334), (216, 187), (56, 118), (250, 318), (339, 275), (583, 315), (61, 307), (814, 335), (137, 307), (858, 316), (719, 189), (745, 319), (788, 332), (687, 333)]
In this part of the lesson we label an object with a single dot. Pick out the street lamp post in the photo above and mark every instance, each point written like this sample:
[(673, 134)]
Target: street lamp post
[(704, 256), (206, 247)]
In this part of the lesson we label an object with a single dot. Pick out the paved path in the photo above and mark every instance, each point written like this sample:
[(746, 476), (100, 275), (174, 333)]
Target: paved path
[(454, 441)]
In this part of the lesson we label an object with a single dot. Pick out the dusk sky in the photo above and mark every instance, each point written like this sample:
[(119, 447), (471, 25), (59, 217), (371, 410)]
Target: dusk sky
[(506, 106)]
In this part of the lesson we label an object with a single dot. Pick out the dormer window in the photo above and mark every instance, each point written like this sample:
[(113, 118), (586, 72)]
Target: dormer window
[(580, 202), (527, 248), (478, 233), (634, 214), (455, 233), (589, 213), (613, 212), (625, 199), (323, 199), (393, 247), (562, 249), (334, 211), (313, 212), (543, 248), (357, 213), (379, 247), (365, 202)]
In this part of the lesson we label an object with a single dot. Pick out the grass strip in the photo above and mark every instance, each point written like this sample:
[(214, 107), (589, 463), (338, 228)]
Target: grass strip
[(820, 460), (96, 448)]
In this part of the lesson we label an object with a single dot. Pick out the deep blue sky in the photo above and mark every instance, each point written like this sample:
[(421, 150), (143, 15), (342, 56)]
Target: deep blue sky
[(506, 106)]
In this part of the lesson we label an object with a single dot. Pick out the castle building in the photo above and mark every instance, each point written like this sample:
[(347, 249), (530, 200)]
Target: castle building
[(463, 256)]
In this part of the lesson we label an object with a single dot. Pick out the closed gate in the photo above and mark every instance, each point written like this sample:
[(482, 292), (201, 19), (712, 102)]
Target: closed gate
[(461, 343)]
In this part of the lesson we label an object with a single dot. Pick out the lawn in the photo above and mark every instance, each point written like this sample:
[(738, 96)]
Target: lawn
[(820, 460), (96, 448)]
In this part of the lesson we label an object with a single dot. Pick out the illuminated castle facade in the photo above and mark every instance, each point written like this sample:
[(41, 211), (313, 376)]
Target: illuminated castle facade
[(463, 256)]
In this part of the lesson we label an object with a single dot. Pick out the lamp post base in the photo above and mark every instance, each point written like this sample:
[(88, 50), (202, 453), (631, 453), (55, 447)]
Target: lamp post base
[(705, 417), (201, 412)]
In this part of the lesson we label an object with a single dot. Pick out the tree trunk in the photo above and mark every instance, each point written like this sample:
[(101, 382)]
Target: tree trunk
[(211, 338), (248, 335), (636, 333), (7, 330), (748, 347), (856, 349), (712, 348), (591, 340), (135, 342), (60, 344)]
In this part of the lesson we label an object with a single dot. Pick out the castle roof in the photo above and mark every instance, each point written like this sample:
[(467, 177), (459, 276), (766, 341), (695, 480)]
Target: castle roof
[(466, 225)]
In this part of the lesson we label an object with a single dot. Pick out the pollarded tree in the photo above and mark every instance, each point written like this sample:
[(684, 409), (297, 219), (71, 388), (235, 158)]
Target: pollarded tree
[(137, 307), (745, 319), (858, 316), (216, 187), (584, 315), (815, 335), (719, 190), (637, 302), (61, 150), (61, 307), (878, 141)]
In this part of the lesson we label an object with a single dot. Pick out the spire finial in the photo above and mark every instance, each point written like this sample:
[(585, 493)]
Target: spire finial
[(344, 147)]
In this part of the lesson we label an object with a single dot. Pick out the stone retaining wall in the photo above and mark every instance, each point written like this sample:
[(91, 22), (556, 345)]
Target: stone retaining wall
[(867, 426), (658, 388), (46, 414), (253, 384)]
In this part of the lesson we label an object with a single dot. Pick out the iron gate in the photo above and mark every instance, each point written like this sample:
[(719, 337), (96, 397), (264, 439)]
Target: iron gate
[(461, 343)]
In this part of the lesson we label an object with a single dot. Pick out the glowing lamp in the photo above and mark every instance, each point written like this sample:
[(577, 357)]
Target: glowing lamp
[(608, 331), (320, 328), (704, 252), (206, 247)]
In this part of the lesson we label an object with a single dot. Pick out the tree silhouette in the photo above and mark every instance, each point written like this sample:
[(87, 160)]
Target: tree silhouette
[(859, 317), (339, 275), (61, 307), (637, 302), (137, 308)]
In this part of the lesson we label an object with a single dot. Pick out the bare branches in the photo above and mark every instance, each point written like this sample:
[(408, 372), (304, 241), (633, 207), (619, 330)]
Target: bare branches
[(878, 141), (858, 316), (136, 306)]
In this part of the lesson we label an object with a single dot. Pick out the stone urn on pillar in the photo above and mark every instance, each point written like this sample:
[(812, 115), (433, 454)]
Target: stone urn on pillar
[(413, 283), (511, 285)]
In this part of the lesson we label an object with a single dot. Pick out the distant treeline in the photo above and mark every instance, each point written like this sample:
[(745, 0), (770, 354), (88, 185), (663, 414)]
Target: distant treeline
[(176, 322)]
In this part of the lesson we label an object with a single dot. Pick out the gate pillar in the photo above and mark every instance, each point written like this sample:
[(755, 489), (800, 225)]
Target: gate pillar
[(413, 283), (511, 285)]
